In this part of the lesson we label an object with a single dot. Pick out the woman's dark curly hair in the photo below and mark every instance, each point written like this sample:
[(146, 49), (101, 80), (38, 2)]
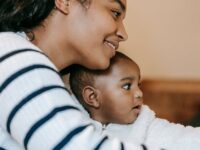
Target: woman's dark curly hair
[(23, 15)]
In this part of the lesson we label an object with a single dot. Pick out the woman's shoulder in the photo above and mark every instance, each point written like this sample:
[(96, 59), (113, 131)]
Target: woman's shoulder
[(14, 41)]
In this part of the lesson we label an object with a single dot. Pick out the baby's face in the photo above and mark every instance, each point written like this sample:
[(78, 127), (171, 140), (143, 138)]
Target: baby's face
[(120, 95)]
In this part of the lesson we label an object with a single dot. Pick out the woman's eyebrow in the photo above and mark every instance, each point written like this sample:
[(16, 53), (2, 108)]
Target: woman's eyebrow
[(123, 7)]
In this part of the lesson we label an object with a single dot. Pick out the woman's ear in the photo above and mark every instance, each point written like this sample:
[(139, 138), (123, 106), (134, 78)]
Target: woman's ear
[(62, 6), (90, 96)]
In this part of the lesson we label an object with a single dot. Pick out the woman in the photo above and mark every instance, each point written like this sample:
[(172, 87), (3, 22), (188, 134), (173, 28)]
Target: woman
[(38, 39)]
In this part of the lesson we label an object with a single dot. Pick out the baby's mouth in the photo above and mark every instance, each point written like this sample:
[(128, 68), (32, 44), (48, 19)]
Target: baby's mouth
[(137, 108)]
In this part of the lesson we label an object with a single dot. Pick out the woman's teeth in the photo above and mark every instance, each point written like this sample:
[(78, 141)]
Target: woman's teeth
[(111, 45)]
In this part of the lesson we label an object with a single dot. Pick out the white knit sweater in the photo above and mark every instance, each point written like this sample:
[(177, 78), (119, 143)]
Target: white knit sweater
[(154, 131), (35, 107)]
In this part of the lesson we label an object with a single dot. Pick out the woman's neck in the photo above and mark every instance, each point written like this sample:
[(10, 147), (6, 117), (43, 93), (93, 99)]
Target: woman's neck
[(53, 47)]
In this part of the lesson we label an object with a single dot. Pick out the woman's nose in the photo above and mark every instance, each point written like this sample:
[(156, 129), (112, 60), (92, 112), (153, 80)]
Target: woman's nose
[(121, 32)]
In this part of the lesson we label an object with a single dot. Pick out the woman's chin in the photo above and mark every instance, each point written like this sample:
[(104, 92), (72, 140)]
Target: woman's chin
[(104, 66), (99, 66)]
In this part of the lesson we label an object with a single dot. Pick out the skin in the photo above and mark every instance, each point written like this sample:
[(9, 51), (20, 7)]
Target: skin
[(116, 96), (90, 35)]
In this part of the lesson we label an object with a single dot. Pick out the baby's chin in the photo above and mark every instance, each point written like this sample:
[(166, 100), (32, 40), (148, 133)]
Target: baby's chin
[(131, 121), (126, 122)]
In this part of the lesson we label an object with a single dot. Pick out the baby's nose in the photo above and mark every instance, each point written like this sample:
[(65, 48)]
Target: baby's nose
[(138, 94)]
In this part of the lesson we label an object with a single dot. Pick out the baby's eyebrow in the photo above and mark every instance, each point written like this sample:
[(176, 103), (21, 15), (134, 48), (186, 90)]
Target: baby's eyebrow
[(128, 78)]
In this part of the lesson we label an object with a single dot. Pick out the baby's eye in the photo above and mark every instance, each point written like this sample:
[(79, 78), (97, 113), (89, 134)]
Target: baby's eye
[(116, 14), (126, 86)]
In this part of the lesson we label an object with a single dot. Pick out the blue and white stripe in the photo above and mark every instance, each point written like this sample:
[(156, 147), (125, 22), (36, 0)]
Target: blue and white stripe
[(36, 108)]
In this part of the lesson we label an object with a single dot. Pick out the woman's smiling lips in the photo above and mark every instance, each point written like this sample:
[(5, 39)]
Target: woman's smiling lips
[(112, 45)]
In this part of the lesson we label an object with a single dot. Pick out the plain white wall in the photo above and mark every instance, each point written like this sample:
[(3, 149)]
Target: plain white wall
[(164, 38)]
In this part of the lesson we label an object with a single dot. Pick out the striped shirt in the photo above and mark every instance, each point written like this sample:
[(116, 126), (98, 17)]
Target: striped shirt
[(36, 108)]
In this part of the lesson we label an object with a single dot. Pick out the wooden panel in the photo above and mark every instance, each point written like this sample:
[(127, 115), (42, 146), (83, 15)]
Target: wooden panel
[(177, 101)]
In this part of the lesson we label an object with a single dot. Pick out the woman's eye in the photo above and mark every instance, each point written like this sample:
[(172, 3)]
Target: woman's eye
[(116, 14), (127, 86)]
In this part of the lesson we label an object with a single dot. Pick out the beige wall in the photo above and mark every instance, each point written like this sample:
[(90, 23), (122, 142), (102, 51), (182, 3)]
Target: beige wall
[(164, 37)]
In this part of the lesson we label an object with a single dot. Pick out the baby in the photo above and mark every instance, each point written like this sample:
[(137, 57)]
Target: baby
[(113, 99)]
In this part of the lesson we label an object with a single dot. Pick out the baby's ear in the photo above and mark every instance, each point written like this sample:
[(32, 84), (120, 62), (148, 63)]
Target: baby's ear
[(90, 96)]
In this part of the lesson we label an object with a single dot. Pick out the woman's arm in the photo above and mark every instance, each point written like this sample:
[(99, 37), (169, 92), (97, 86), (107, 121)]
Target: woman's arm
[(36, 108)]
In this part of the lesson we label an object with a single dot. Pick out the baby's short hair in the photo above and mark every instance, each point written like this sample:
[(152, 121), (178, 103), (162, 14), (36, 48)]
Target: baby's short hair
[(81, 77)]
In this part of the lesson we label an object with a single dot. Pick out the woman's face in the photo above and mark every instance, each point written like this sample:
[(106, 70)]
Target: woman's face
[(95, 31)]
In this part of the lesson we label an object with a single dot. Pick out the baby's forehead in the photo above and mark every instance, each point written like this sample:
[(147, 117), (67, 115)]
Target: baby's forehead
[(122, 66), (123, 61), (120, 71)]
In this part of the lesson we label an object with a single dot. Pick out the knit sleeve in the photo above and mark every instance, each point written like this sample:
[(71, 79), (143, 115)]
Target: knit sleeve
[(35, 107)]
